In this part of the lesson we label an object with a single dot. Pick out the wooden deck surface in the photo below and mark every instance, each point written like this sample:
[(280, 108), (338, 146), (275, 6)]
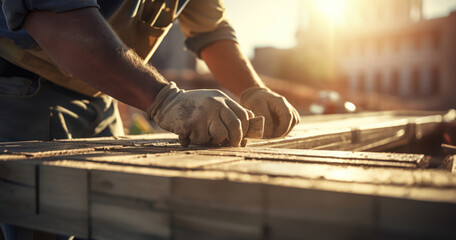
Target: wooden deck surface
[(314, 184)]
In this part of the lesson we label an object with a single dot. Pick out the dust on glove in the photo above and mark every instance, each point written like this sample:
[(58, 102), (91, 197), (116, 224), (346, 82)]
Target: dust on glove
[(203, 117), (280, 116)]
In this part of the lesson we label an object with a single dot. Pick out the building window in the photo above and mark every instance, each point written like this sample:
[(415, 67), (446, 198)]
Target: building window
[(436, 40), (378, 82), (415, 82), (361, 83), (394, 85), (397, 45), (378, 44), (435, 82), (416, 42)]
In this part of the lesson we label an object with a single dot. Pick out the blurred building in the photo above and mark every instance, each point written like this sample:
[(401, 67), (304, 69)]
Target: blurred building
[(371, 51), (398, 53), (268, 60)]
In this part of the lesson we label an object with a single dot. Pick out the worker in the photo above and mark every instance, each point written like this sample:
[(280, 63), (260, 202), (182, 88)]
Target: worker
[(58, 55), (62, 63)]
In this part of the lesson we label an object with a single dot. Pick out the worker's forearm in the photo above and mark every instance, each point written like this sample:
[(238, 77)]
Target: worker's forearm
[(84, 45), (230, 66)]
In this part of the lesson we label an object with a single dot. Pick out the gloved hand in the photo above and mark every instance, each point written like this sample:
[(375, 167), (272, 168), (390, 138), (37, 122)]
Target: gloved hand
[(280, 116), (205, 117)]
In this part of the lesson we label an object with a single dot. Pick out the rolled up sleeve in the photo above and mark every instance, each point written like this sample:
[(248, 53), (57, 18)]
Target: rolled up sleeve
[(204, 22), (15, 11)]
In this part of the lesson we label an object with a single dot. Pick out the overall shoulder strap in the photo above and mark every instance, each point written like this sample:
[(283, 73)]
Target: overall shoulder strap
[(142, 24)]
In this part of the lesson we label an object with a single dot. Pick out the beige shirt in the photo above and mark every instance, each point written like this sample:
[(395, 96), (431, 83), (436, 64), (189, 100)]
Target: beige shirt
[(200, 16)]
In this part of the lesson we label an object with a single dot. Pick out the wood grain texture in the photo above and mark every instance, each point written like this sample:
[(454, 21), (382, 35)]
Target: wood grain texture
[(63, 197), (17, 188), (217, 209), (125, 205), (310, 184), (293, 213)]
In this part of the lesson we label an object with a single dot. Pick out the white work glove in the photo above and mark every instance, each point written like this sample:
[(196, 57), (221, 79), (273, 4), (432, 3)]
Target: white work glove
[(204, 117), (280, 116)]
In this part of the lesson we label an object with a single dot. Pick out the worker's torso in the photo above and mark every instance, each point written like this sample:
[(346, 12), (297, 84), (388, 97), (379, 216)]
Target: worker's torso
[(140, 24), (24, 40)]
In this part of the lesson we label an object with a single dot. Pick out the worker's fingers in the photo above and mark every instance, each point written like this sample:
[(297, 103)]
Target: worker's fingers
[(233, 125), (241, 113), (294, 121), (284, 114), (262, 109), (184, 139), (297, 116), (218, 132), (244, 142)]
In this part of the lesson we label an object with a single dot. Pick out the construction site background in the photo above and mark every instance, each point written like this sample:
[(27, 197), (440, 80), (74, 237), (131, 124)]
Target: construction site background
[(350, 56)]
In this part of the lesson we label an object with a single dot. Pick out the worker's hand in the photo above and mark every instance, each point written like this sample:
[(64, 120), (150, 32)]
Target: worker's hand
[(204, 117), (280, 116)]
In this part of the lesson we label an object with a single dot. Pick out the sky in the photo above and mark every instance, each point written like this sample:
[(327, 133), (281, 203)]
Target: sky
[(260, 23)]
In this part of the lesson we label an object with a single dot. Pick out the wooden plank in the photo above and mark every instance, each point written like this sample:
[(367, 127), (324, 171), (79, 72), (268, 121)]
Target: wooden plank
[(60, 202), (142, 187), (37, 149), (325, 157), (189, 223), (63, 198), (115, 220), (383, 130), (40, 148), (216, 209), (175, 160), (129, 206), (17, 188), (305, 141), (377, 132), (429, 185), (386, 176), (119, 184), (350, 216), (408, 219), (294, 213)]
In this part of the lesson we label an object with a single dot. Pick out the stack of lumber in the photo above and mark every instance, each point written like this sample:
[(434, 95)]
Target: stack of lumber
[(305, 186)]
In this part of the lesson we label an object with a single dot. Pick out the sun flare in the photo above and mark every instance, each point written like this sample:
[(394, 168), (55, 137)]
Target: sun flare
[(333, 10)]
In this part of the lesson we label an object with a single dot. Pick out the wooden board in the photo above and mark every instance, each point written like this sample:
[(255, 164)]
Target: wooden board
[(149, 187)]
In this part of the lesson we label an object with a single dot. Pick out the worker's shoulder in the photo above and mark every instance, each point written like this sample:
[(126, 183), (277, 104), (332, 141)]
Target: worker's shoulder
[(201, 16)]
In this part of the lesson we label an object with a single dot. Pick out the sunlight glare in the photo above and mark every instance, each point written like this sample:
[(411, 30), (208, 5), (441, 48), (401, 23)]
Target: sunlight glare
[(333, 10), (350, 107)]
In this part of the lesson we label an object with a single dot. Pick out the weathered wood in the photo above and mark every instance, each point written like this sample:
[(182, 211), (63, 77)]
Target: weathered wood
[(184, 160), (112, 219), (326, 157), (17, 188), (217, 209), (63, 197), (428, 178), (295, 213), (57, 202), (129, 206), (371, 131), (402, 219), (149, 187)]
